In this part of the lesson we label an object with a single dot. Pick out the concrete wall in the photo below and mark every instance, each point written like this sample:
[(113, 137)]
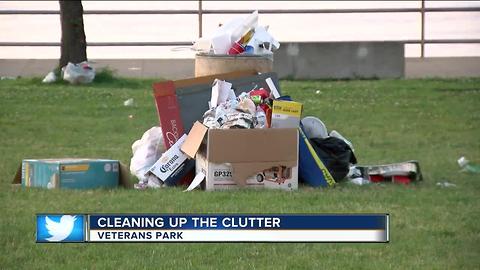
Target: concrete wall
[(339, 60), (292, 60), (143, 68), (443, 67)]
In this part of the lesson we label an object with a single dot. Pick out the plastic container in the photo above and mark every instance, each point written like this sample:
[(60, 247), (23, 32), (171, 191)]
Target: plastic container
[(468, 166)]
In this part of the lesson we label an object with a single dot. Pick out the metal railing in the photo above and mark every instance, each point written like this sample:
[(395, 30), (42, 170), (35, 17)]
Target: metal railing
[(200, 12)]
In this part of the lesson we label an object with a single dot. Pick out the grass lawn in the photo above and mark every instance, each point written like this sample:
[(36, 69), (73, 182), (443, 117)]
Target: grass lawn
[(434, 121)]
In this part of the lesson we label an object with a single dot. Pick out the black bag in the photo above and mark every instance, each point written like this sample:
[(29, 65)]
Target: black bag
[(335, 154)]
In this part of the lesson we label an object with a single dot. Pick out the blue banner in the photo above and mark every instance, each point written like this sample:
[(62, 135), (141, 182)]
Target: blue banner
[(361, 228), (238, 222)]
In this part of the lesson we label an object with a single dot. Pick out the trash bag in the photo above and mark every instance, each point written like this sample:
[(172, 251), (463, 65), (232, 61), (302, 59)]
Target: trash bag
[(80, 73), (146, 152), (336, 154)]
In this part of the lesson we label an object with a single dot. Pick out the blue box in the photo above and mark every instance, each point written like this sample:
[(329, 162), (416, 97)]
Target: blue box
[(70, 173)]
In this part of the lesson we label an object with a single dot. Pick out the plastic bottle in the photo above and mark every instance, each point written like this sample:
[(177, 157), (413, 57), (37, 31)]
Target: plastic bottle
[(468, 166), (249, 23), (261, 118), (246, 38)]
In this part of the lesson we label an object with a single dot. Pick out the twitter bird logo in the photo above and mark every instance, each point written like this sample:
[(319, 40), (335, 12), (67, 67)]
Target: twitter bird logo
[(60, 228)]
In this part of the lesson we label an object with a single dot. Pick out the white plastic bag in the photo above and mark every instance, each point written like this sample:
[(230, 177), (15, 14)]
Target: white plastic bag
[(50, 78), (146, 152), (78, 73)]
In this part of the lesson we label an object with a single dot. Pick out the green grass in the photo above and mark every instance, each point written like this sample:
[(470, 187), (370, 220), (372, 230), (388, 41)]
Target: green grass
[(434, 121)]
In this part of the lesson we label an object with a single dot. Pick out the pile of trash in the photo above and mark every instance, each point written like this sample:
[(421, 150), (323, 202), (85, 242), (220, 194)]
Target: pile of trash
[(294, 149), (248, 110), (239, 36)]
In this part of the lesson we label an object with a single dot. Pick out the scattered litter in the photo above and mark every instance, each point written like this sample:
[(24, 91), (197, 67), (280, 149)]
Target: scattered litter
[(400, 173), (151, 182), (196, 181), (130, 116), (81, 73), (318, 92), (314, 127), (358, 176), (446, 184), (50, 78), (128, 102), (468, 166), (359, 181), (7, 78)]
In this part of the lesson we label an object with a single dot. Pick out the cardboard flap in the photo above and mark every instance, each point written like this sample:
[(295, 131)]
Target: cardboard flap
[(252, 145), (244, 170), (168, 112), (124, 176), (194, 139), (165, 88), (17, 179), (209, 79)]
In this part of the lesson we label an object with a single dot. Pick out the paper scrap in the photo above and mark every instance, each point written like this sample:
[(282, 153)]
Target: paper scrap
[(272, 87), (196, 181), (221, 90)]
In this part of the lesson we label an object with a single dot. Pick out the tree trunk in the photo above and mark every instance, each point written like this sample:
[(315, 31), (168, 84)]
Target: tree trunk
[(73, 45)]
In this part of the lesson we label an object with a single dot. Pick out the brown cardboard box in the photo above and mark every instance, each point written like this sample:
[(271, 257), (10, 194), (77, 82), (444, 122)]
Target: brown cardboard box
[(245, 157)]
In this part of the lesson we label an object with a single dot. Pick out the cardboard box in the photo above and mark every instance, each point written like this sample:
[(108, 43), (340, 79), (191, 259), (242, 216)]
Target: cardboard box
[(286, 114), (232, 158), (193, 95), (72, 173), (173, 165)]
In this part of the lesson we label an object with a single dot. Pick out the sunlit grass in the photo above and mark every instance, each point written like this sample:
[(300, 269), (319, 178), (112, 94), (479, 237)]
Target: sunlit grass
[(434, 121)]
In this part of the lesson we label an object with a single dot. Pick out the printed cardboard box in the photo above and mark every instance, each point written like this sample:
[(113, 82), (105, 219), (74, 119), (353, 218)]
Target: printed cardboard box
[(286, 114), (232, 158), (72, 173), (173, 165)]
